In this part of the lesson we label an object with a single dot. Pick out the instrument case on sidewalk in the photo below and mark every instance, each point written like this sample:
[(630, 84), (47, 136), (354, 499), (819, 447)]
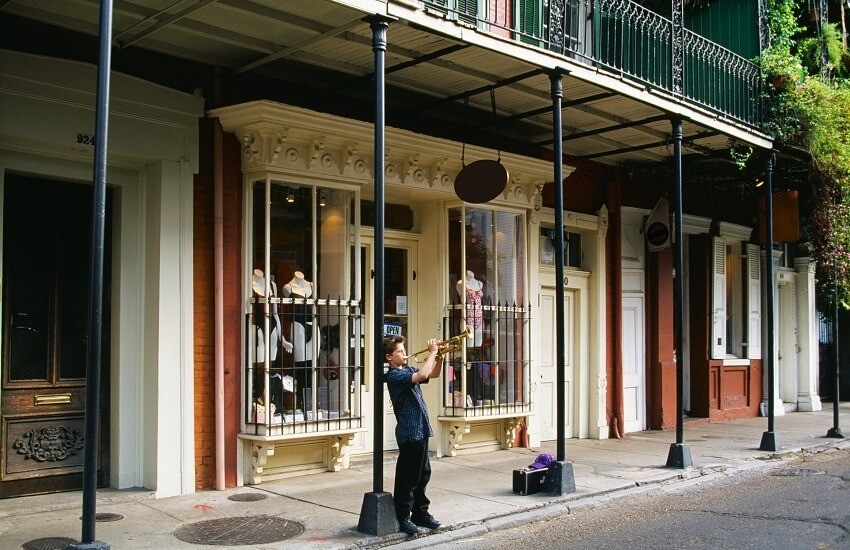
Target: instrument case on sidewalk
[(529, 482)]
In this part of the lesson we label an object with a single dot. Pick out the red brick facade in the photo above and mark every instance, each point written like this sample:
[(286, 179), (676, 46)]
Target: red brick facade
[(204, 307)]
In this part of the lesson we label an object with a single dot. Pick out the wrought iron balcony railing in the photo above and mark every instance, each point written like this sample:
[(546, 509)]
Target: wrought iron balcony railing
[(628, 39)]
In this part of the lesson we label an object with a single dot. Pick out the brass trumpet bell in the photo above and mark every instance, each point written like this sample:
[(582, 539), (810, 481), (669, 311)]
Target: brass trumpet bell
[(453, 344)]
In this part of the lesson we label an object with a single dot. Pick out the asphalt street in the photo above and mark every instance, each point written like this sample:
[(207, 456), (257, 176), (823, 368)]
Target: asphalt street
[(802, 505)]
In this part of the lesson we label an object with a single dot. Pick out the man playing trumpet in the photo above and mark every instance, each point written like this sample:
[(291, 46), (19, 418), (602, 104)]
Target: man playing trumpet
[(413, 469)]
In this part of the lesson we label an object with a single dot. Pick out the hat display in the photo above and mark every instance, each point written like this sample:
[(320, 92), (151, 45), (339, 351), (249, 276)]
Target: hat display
[(543, 461), (258, 283)]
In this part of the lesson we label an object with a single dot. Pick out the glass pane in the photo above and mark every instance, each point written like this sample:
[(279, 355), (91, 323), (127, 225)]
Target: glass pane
[(455, 254), (396, 291), (28, 256), (332, 238), (72, 281), (510, 247), (480, 273)]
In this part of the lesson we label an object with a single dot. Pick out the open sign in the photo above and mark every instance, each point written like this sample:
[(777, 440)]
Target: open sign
[(392, 329)]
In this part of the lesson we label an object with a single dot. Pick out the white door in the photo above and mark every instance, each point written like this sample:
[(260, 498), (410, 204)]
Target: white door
[(399, 301), (786, 314), (546, 397), (634, 358)]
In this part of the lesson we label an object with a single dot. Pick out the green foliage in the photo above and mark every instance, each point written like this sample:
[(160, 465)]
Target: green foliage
[(809, 50), (804, 110)]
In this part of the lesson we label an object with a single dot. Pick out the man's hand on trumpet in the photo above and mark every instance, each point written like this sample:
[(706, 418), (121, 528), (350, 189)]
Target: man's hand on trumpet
[(434, 364)]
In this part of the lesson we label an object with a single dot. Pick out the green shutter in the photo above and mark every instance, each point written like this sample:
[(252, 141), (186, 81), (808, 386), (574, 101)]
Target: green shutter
[(467, 10), (531, 21)]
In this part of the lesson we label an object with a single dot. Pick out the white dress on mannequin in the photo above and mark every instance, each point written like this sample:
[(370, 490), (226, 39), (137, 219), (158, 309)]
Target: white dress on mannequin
[(474, 313)]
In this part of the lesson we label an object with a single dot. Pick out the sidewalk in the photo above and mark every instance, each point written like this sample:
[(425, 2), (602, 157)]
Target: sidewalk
[(470, 494)]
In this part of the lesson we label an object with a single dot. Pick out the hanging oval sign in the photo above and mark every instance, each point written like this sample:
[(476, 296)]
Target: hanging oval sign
[(481, 181)]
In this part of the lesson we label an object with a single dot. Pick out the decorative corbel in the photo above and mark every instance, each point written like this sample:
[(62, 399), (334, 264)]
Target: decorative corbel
[(440, 178), (409, 168), (537, 203), (456, 432), (510, 432), (260, 453), (316, 152), (603, 221), (349, 158), (339, 445), (249, 147), (278, 143)]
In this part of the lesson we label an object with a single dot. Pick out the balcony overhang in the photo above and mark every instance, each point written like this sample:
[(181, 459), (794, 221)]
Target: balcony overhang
[(440, 62)]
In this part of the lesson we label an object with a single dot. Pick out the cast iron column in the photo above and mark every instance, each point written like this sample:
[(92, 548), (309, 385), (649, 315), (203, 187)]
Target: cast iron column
[(835, 430), (559, 478), (769, 442), (679, 455), (377, 514), (95, 309)]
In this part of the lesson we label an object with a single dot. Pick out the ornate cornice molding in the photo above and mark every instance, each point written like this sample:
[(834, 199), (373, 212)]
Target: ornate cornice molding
[(299, 141)]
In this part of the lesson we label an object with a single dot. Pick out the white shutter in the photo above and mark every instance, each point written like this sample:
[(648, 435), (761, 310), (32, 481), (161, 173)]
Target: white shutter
[(718, 298), (753, 301)]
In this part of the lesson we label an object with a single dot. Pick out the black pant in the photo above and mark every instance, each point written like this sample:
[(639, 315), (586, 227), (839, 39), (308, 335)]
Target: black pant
[(412, 473)]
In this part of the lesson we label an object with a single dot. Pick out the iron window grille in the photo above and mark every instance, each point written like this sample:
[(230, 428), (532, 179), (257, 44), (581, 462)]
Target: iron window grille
[(284, 396), (495, 377)]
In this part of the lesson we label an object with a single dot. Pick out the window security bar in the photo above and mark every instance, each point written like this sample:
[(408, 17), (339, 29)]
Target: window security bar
[(491, 374), (306, 375)]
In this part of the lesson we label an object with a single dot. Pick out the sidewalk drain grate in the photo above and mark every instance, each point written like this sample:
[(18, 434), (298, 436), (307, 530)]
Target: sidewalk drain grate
[(239, 531), (797, 472), (49, 543), (247, 497)]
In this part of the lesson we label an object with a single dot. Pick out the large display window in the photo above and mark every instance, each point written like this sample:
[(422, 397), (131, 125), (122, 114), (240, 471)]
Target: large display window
[(487, 276), (304, 320)]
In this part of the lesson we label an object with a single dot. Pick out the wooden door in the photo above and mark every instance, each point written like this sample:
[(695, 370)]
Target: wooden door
[(634, 359), (46, 235)]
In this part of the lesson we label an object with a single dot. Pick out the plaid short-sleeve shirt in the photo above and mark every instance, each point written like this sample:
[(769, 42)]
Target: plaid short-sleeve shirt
[(408, 404)]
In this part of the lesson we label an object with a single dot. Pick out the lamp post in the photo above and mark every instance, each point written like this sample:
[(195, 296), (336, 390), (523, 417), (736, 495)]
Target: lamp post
[(835, 430), (377, 514), (769, 441), (679, 455), (560, 478), (95, 305)]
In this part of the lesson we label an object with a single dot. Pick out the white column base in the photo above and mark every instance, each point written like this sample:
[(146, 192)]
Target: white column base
[(778, 408), (809, 403)]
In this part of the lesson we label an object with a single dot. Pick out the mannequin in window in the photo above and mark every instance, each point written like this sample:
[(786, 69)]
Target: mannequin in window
[(302, 334), (474, 313), (277, 339)]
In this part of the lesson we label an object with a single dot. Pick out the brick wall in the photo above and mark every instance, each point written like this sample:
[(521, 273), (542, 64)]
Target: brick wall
[(204, 282)]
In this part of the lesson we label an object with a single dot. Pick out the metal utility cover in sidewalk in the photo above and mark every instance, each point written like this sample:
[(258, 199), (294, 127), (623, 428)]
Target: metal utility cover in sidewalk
[(49, 543), (239, 531)]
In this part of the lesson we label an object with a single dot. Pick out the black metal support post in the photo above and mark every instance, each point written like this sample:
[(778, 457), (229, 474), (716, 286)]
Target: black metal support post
[(559, 478), (835, 430), (377, 514), (769, 441), (95, 309), (679, 455)]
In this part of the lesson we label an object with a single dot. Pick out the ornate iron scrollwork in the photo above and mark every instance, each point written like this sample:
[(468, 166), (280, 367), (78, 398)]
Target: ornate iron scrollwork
[(678, 68), (50, 443), (556, 25)]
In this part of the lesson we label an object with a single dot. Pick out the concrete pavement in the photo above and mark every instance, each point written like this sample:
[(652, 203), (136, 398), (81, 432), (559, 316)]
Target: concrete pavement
[(470, 494)]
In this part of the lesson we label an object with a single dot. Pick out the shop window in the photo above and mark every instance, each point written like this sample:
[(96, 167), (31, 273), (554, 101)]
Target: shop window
[(572, 248), (736, 300), (489, 375), (304, 360)]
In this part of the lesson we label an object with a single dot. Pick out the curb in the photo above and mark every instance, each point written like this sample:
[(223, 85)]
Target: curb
[(568, 504)]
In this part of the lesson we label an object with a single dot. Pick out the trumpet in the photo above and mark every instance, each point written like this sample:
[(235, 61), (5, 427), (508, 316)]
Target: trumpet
[(455, 343)]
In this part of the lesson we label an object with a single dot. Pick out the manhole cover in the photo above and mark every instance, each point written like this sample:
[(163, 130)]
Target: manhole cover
[(238, 531), (106, 516), (247, 497), (797, 472), (49, 543)]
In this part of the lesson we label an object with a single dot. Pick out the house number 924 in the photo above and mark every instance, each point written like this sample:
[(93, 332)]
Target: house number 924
[(86, 139)]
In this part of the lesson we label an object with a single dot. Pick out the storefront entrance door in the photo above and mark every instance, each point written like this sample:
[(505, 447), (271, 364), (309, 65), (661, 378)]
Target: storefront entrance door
[(46, 235)]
